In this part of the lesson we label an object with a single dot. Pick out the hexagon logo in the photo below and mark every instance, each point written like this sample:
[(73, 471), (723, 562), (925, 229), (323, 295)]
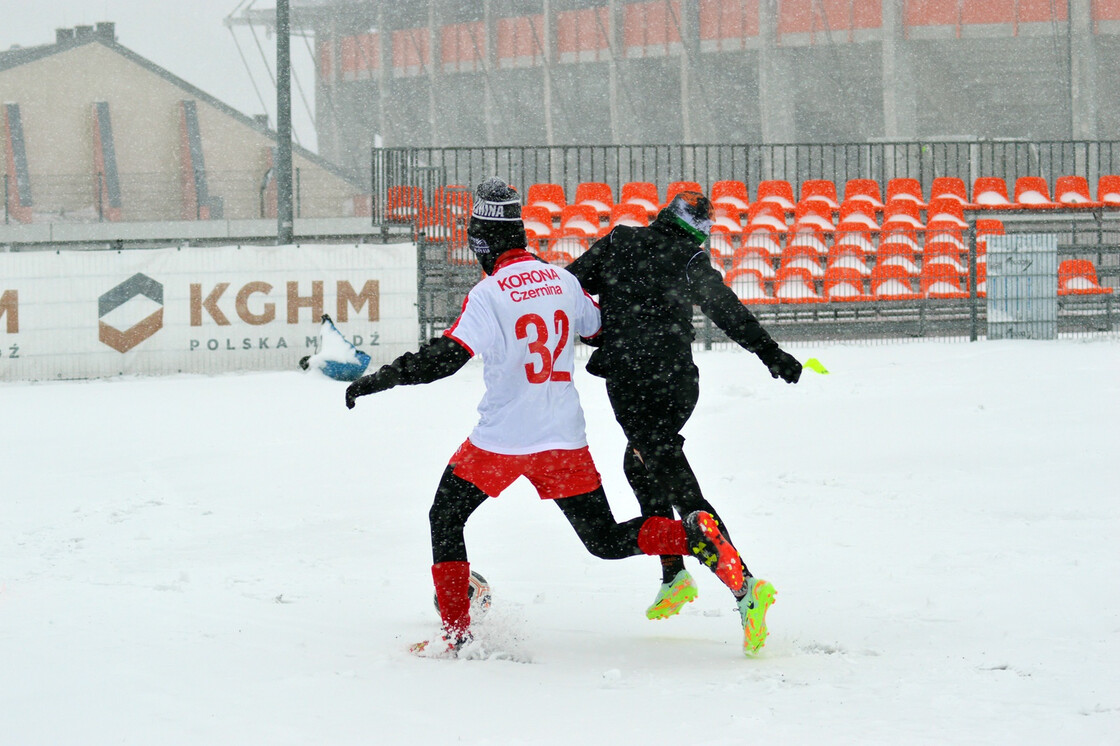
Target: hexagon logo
[(141, 287)]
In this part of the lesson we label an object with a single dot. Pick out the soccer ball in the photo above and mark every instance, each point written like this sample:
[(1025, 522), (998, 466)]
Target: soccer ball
[(479, 593)]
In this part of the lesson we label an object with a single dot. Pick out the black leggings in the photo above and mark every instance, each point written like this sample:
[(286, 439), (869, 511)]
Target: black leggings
[(590, 515)]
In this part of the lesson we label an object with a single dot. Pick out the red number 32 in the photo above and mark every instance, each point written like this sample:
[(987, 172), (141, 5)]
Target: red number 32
[(538, 347)]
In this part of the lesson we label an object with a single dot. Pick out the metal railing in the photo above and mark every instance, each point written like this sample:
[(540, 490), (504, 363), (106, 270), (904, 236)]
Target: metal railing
[(660, 164)]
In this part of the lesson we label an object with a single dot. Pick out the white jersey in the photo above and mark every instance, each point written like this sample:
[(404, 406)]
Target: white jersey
[(523, 321)]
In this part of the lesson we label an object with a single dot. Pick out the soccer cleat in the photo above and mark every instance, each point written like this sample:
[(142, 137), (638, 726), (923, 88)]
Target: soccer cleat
[(752, 609), (708, 544), (673, 596), (447, 645)]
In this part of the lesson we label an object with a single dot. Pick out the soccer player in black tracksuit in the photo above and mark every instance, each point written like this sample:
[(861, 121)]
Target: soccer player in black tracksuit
[(648, 280)]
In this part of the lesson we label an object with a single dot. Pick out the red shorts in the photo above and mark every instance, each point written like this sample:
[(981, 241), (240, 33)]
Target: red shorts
[(555, 474)]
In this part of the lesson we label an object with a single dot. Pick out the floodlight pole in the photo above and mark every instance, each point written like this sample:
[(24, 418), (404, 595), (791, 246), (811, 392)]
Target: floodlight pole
[(284, 224)]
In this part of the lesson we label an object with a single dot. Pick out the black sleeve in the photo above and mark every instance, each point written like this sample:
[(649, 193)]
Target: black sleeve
[(437, 359), (587, 267), (720, 304)]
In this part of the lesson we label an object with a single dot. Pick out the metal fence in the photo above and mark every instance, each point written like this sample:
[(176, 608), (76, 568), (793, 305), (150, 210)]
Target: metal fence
[(660, 164)]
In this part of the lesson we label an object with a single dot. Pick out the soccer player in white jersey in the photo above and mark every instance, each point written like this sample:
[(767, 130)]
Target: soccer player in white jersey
[(523, 319)]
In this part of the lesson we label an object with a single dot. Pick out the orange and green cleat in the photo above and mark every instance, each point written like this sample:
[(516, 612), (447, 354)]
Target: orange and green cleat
[(752, 608), (708, 544), (673, 596)]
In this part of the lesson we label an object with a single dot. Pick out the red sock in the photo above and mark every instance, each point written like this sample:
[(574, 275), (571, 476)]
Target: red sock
[(452, 580), (662, 536)]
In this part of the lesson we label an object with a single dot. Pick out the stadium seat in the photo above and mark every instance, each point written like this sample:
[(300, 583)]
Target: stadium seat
[(763, 240), (598, 195), (722, 242), (728, 217), (807, 236), (844, 284), (642, 193), (948, 187), (1033, 193), (1079, 277), (859, 211), (891, 282), (901, 237), (903, 213), (986, 227), (853, 239), (802, 257), (749, 285), (908, 189), (819, 190), (538, 221), (990, 193), (676, 187), (757, 259), (404, 203), (945, 253), (945, 239), (945, 210), (780, 192), (864, 190), (899, 255), (1108, 189), (627, 213), (549, 196), (941, 281), (731, 194), (1073, 191), (794, 284), (841, 255), (579, 218), (766, 216), (572, 241), (813, 213)]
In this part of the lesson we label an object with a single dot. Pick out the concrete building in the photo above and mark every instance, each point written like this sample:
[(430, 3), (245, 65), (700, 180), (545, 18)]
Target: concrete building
[(92, 132), (566, 72)]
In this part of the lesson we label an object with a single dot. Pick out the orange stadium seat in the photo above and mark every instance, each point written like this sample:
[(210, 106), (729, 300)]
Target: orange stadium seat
[(676, 187), (728, 217), (903, 213), (859, 211), (795, 285), (844, 284), (1108, 189), (779, 192), (986, 227), (807, 237), (598, 195), (583, 219), (766, 216), (864, 190), (627, 213), (945, 211), (549, 196), (732, 194), (899, 255), (722, 242), (950, 187), (891, 282), (1033, 193), (404, 203), (909, 189), (749, 285), (572, 241), (815, 213), (990, 193), (1073, 191), (1079, 277), (759, 260), (904, 237), (642, 193), (941, 281), (538, 221), (802, 257), (819, 190), (845, 255)]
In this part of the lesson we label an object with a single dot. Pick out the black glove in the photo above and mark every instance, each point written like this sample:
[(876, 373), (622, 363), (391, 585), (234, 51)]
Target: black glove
[(781, 364), (386, 378)]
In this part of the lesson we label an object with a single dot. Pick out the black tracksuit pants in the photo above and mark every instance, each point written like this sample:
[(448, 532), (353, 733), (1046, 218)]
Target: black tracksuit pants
[(652, 404)]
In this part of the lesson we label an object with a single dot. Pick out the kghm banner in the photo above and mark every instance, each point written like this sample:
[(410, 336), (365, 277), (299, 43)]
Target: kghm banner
[(92, 314)]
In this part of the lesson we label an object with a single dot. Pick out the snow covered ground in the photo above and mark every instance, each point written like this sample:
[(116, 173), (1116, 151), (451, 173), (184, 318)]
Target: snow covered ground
[(241, 560)]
